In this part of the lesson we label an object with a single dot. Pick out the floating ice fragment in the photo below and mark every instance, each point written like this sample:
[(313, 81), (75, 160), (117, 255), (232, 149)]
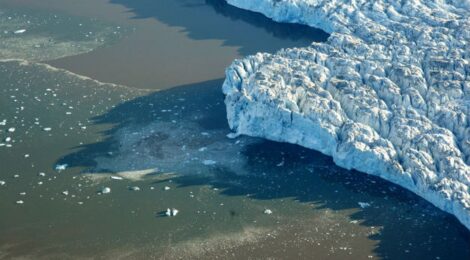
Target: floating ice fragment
[(167, 188), (8, 139), (106, 190), (42, 174), (3, 122), (22, 193), (65, 192), (47, 129), (209, 162), (11, 129), (19, 202), (16, 176), (202, 149), (134, 188), (268, 212), (171, 212), (19, 31), (2, 183), (363, 204), (117, 178), (232, 135), (61, 167)]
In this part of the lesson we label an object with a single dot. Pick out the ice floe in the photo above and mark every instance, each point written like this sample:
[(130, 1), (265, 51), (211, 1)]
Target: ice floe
[(171, 212), (105, 190)]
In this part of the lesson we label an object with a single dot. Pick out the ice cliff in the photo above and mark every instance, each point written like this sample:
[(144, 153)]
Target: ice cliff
[(388, 94)]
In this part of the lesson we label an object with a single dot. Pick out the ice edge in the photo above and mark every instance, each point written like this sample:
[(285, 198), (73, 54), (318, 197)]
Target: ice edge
[(388, 94)]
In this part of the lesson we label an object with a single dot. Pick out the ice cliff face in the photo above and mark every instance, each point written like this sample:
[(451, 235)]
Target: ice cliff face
[(388, 94)]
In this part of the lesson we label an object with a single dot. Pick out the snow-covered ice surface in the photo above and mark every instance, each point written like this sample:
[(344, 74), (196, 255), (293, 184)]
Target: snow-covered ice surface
[(388, 94)]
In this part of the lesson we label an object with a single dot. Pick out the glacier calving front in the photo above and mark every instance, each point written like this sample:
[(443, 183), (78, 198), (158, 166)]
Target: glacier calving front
[(388, 94)]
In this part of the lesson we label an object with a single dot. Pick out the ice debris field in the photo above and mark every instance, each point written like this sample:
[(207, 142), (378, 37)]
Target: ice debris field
[(388, 94)]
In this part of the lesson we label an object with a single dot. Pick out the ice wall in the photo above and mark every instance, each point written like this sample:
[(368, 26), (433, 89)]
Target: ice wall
[(388, 94)]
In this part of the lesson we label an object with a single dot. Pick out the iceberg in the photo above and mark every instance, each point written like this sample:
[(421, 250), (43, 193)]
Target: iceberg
[(388, 94)]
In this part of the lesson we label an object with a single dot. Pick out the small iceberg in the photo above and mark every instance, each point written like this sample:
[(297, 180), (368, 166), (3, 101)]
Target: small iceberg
[(21, 31), (61, 167), (134, 188), (209, 162), (105, 190), (171, 212)]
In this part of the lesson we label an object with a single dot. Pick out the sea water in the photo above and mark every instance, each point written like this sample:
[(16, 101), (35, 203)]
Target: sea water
[(96, 165)]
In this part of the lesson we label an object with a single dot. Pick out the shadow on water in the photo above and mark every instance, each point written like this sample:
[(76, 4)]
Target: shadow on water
[(306, 176), (197, 19), (411, 227)]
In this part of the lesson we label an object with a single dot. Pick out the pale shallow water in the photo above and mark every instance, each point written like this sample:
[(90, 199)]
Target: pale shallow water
[(175, 137)]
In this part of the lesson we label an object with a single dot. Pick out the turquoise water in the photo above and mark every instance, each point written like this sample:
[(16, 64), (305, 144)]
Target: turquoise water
[(171, 143)]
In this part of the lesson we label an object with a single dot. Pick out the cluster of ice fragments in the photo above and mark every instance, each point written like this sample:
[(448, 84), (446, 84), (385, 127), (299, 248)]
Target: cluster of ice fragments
[(388, 94)]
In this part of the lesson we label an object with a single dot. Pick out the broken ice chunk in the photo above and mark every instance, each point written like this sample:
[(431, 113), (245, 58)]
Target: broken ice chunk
[(47, 129), (42, 174), (19, 31), (116, 178), (209, 162), (171, 212), (11, 129), (167, 188), (268, 212), (134, 188), (2, 183), (8, 139), (106, 190), (19, 202), (65, 192), (232, 135), (61, 167), (363, 204)]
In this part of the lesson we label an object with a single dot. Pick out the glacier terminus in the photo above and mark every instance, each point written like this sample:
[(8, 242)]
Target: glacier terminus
[(388, 94)]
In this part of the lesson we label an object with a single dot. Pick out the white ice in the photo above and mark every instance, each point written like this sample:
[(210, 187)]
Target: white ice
[(388, 94)]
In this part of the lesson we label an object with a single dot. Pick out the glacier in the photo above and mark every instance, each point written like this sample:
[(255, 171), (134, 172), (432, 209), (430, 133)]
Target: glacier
[(388, 94)]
